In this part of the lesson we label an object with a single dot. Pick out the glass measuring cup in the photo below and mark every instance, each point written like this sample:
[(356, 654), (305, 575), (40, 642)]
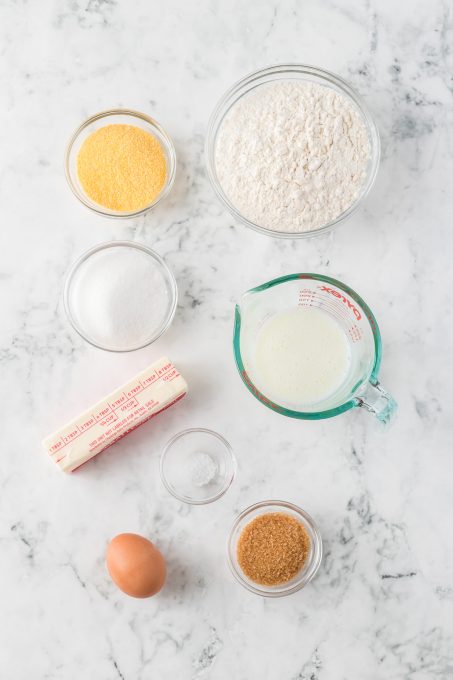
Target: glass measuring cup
[(360, 387)]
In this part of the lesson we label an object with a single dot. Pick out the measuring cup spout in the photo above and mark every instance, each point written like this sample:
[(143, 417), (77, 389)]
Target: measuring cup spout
[(375, 399), (244, 305)]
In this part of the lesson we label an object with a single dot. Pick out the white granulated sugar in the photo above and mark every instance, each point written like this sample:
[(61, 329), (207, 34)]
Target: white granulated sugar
[(120, 297), (292, 156)]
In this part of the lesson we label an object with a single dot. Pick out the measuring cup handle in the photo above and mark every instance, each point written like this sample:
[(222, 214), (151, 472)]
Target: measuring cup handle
[(375, 399)]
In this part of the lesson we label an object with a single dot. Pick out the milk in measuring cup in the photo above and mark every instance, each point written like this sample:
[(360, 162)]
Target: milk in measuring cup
[(302, 356)]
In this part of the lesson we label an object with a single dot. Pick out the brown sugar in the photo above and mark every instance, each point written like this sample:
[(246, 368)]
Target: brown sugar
[(122, 167), (273, 548)]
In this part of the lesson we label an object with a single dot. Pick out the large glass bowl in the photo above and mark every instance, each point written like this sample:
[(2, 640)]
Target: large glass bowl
[(286, 72), (311, 565), (123, 117)]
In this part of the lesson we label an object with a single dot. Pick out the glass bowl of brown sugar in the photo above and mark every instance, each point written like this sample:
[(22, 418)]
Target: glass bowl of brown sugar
[(274, 548)]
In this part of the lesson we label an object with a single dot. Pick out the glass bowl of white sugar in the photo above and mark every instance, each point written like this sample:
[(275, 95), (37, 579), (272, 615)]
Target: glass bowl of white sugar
[(197, 466), (292, 150), (120, 296)]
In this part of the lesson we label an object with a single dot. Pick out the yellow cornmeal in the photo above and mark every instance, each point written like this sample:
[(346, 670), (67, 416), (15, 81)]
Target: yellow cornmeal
[(122, 167)]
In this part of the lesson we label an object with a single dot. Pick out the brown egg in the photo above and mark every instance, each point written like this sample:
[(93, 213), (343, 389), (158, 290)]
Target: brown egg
[(136, 565)]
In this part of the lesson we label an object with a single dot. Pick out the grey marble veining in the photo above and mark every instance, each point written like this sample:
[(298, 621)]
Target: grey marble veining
[(381, 606)]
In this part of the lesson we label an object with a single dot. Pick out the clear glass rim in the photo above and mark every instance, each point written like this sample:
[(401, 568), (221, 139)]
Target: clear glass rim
[(128, 244), (305, 415), (230, 98), (228, 480), (171, 174), (307, 576)]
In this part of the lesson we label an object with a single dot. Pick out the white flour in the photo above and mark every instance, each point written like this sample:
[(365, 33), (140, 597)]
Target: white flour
[(292, 156)]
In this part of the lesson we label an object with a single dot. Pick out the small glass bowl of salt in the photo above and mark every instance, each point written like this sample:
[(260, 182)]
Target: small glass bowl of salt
[(197, 466)]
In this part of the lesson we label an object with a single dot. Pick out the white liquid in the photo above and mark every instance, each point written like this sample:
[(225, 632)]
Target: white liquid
[(302, 356)]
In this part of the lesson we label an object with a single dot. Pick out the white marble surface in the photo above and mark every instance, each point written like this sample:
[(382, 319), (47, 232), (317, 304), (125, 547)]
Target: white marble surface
[(381, 606)]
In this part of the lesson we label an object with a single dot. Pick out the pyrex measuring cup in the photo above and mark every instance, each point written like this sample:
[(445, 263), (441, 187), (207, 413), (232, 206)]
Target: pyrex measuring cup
[(360, 387)]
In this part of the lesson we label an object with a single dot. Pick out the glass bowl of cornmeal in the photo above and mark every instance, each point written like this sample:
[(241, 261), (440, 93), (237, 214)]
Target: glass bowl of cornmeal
[(120, 163)]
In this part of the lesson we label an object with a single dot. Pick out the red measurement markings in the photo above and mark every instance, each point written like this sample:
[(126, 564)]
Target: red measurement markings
[(170, 375), (70, 436), (259, 395), (344, 298), (164, 369), (116, 403), (126, 421), (98, 415), (107, 414), (173, 377), (133, 427), (306, 296), (136, 389), (55, 447), (129, 404), (150, 380), (150, 403), (372, 322), (85, 425), (109, 419), (355, 333)]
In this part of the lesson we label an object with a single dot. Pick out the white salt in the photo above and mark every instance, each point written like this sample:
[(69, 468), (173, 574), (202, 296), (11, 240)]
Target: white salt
[(202, 468)]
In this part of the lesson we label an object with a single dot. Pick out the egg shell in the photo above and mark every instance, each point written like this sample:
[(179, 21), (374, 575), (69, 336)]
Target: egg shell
[(135, 565)]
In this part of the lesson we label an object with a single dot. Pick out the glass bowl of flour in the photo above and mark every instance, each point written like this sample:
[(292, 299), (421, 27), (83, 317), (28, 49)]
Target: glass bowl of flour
[(292, 150)]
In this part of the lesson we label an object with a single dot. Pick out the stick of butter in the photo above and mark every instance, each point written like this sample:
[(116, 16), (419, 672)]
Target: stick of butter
[(147, 394)]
